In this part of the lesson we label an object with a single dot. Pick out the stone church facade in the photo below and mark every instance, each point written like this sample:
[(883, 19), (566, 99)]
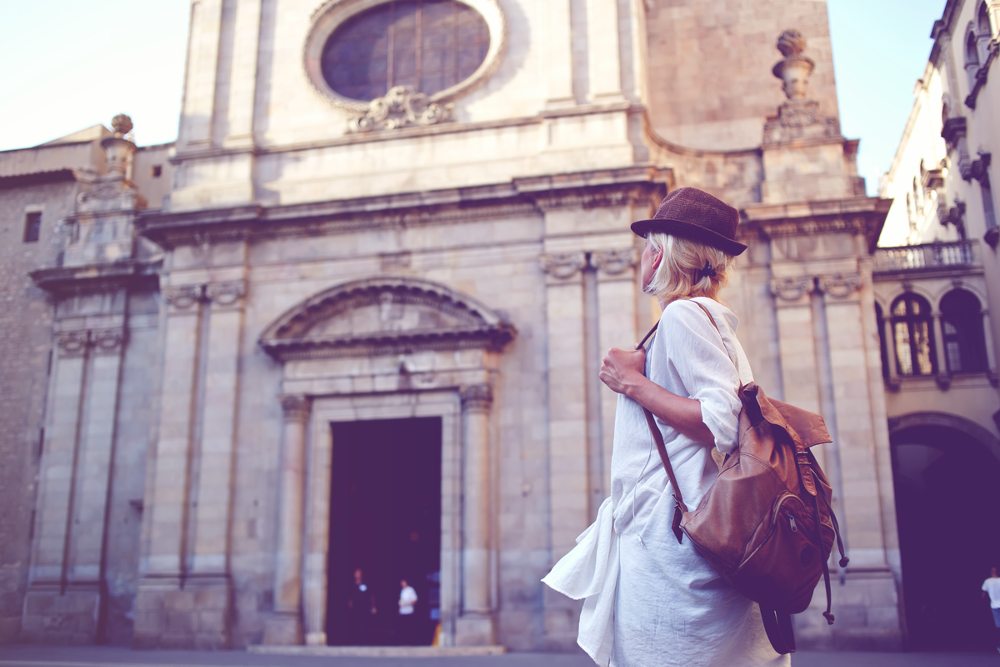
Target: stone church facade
[(209, 319)]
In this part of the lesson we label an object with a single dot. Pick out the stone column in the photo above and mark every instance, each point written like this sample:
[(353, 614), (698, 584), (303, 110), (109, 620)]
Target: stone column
[(605, 58), (890, 352), (236, 128), (45, 599), (96, 455), (857, 461), (475, 624), (286, 627), (942, 374), (991, 362), (214, 465), (795, 340), (559, 53), (163, 565), (568, 477), (616, 290), (202, 71)]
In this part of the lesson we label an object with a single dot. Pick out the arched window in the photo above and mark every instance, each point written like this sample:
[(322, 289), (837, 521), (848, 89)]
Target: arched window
[(984, 32), (971, 50), (962, 332), (971, 57), (912, 332)]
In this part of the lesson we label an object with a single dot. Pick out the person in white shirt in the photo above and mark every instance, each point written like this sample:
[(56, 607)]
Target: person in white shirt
[(647, 598), (407, 625), (991, 591)]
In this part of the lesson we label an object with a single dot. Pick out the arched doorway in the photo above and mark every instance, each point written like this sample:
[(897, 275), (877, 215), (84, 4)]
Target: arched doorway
[(945, 472)]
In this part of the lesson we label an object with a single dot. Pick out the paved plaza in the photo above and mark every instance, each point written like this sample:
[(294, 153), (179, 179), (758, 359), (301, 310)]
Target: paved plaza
[(91, 656)]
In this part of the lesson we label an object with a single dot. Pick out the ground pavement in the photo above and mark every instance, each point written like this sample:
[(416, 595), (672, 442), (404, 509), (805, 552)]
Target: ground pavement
[(92, 656)]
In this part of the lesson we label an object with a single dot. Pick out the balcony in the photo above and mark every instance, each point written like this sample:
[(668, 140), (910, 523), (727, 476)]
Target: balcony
[(928, 258)]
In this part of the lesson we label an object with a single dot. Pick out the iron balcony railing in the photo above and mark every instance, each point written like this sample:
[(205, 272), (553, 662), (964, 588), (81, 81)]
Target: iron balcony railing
[(926, 256)]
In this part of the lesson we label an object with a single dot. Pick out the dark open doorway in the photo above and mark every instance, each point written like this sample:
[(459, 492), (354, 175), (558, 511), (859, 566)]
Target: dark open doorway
[(385, 517), (947, 509)]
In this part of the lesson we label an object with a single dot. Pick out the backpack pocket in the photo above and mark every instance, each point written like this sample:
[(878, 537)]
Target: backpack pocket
[(784, 560)]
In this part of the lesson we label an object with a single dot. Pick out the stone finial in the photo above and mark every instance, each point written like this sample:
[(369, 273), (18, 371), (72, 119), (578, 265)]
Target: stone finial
[(121, 124), (794, 69)]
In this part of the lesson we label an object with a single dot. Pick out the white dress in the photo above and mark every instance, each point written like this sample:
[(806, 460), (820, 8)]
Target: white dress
[(648, 600)]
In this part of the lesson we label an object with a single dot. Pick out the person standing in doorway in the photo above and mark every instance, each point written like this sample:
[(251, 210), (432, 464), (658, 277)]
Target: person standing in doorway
[(407, 621), (361, 610), (991, 591)]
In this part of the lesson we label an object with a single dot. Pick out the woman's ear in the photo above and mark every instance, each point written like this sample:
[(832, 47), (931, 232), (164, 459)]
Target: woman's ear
[(657, 258)]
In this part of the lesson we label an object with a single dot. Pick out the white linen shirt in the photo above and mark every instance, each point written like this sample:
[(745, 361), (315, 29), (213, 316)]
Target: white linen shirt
[(649, 600)]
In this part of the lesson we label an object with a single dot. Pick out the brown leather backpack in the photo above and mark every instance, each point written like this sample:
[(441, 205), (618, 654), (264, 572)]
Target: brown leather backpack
[(766, 524)]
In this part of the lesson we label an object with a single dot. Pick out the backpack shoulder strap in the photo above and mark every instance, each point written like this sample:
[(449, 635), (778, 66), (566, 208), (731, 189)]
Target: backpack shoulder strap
[(661, 448)]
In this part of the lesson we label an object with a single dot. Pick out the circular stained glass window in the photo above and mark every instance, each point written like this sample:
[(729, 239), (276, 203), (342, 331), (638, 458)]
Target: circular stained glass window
[(428, 45)]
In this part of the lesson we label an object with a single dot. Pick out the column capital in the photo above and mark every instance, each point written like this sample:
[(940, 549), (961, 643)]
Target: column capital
[(295, 407), (614, 262), (839, 286), (182, 298), (229, 293), (792, 288), (107, 341), (73, 343), (563, 266), (476, 397)]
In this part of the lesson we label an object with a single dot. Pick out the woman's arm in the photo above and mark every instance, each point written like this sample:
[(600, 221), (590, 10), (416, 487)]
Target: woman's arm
[(622, 372)]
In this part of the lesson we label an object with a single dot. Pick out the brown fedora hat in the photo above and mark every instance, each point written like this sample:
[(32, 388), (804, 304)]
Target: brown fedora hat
[(693, 214)]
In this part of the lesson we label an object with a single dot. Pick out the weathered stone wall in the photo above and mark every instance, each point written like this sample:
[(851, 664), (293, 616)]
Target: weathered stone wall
[(709, 67), (25, 343)]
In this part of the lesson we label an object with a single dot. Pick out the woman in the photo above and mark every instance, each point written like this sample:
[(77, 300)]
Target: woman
[(649, 600)]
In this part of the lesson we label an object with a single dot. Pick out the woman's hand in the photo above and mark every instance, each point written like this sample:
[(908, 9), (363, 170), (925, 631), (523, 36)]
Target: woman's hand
[(622, 370)]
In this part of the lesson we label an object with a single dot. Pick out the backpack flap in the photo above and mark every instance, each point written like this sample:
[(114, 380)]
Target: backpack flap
[(805, 428)]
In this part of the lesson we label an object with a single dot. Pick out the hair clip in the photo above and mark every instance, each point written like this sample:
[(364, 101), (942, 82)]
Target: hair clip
[(707, 270)]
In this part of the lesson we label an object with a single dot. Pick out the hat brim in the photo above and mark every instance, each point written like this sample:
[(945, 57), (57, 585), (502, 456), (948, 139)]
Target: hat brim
[(689, 231)]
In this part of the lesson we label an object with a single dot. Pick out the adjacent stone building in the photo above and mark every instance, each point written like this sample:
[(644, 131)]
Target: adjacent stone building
[(354, 316), (937, 288)]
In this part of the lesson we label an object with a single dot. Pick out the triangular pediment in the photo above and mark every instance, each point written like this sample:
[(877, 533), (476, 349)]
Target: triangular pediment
[(385, 315)]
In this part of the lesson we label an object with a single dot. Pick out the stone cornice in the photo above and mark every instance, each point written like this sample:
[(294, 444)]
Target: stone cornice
[(128, 274), (38, 178), (521, 196), (859, 215)]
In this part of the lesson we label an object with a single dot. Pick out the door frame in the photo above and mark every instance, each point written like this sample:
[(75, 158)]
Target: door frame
[(445, 405)]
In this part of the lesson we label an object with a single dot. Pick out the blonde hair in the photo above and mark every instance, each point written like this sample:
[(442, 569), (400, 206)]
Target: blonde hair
[(680, 273)]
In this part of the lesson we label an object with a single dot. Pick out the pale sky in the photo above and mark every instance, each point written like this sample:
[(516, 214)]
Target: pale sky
[(69, 64)]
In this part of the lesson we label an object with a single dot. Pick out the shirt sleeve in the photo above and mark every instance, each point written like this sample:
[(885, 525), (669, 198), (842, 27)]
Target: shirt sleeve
[(693, 346)]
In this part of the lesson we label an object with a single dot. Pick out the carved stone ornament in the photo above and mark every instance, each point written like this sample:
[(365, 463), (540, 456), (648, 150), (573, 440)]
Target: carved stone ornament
[(294, 406), (563, 266), (183, 297), (72, 343), (107, 340), (477, 397), (614, 262), (798, 117), (382, 316), (791, 288), (794, 69), (840, 286), (226, 293), (953, 216), (121, 124), (979, 169), (402, 106)]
